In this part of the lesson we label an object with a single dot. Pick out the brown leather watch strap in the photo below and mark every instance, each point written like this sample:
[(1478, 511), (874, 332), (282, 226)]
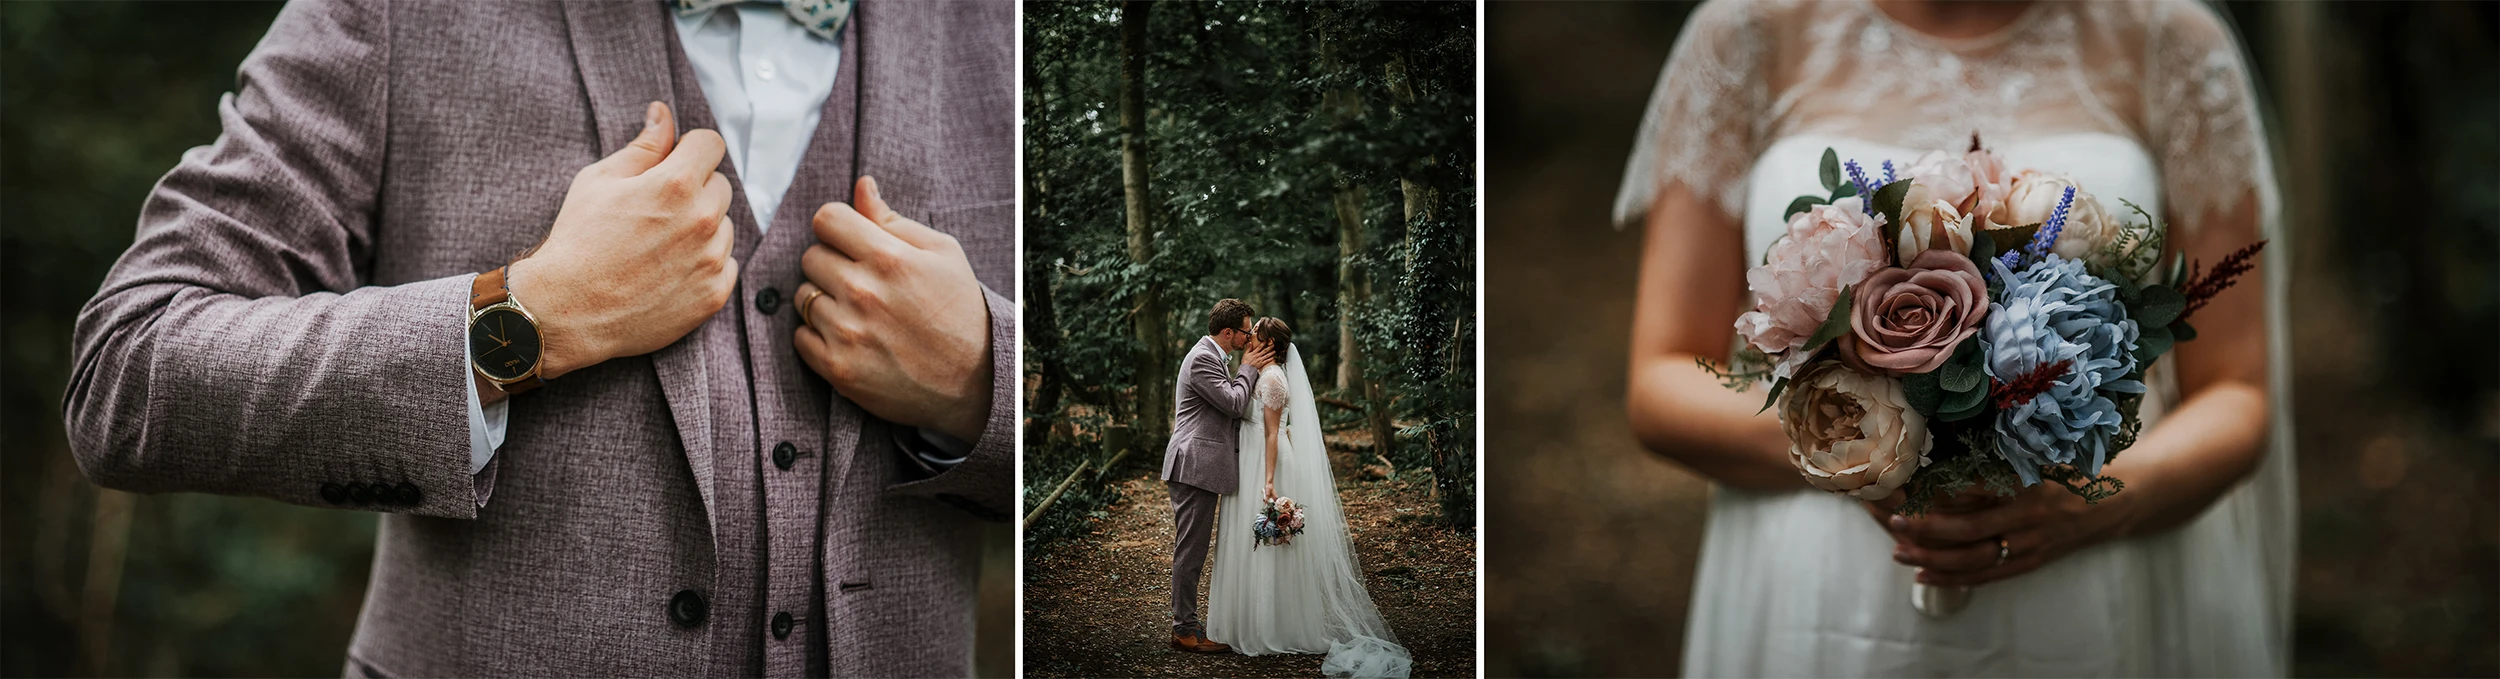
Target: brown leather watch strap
[(488, 290)]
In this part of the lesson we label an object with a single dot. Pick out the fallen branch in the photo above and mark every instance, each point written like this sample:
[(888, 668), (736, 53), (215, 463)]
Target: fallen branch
[(1339, 402), (1054, 496), (1113, 464)]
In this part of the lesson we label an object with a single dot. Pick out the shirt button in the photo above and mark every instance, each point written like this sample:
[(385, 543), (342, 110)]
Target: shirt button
[(763, 69), (334, 493), (781, 625), (768, 301), (688, 609), (784, 455)]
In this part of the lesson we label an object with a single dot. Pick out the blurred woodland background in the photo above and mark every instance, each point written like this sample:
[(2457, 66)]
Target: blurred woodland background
[(97, 101), (2390, 151), (1316, 160)]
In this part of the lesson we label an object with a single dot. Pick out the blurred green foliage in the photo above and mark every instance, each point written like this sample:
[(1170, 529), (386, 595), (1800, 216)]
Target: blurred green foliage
[(98, 100)]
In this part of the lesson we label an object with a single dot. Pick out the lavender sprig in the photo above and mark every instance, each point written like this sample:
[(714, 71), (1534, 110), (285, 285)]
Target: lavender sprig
[(1866, 191), (2040, 243), (1888, 176)]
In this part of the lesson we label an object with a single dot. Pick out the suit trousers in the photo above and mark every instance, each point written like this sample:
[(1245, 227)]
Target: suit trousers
[(1193, 522)]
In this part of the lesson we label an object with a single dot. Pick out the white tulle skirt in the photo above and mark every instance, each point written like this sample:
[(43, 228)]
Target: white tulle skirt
[(1803, 584), (1303, 597)]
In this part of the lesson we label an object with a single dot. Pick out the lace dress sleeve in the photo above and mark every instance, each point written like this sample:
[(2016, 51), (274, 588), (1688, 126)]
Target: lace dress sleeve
[(1272, 390), (1701, 126), (2202, 116)]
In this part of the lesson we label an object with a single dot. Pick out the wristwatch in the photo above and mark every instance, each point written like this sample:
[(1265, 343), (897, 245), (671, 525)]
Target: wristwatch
[(504, 345)]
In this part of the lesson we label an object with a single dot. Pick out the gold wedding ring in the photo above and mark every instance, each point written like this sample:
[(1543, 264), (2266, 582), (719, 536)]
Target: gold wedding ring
[(806, 302), (2004, 549)]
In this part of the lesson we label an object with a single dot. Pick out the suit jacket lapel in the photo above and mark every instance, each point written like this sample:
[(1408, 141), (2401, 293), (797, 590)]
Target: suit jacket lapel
[(621, 49)]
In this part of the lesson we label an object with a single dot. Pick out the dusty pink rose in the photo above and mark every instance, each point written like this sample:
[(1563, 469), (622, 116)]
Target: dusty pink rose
[(1794, 289), (1908, 320), (1850, 432)]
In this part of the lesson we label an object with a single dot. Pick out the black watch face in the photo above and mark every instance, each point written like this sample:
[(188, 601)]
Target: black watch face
[(504, 344)]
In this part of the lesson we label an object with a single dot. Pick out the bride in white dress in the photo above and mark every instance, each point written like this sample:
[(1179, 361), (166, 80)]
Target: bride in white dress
[(2188, 571), (1306, 596)]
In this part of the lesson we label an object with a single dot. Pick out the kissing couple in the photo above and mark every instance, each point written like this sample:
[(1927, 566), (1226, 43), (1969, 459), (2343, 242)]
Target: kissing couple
[(1242, 439)]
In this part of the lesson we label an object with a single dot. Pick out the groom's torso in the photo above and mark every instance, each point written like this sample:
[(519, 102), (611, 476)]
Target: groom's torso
[(1202, 450), (718, 469)]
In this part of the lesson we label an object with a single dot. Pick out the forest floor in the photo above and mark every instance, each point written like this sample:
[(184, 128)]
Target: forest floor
[(1100, 605)]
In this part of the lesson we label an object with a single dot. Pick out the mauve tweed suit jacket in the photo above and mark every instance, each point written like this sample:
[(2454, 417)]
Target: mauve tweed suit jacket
[(290, 320), (1208, 405)]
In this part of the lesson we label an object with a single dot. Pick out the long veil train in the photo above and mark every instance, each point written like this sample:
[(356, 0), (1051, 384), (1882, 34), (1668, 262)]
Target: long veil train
[(1361, 644)]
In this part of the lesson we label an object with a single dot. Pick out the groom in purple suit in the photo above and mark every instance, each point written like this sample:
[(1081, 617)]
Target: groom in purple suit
[(594, 303), (1201, 460)]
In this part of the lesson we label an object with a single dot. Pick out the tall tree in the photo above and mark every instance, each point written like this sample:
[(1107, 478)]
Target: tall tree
[(1152, 422)]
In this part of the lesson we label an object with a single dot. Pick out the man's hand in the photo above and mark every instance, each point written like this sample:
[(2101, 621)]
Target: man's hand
[(895, 319), (1260, 358), (639, 255)]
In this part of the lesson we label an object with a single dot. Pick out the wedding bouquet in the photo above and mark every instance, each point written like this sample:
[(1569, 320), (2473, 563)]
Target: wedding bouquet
[(1278, 521), (1962, 325)]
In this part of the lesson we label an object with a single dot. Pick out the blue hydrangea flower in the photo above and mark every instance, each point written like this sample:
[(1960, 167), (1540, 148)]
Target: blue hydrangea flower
[(2051, 312)]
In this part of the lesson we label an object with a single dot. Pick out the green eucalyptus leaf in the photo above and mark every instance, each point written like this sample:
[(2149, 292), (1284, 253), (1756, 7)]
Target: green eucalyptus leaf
[(2178, 270), (1976, 407), (2151, 343), (1957, 401), (1962, 372), (2160, 305), (1923, 393), (2128, 292), (1831, 169), (1800, 205), (1836, 323), (2180, 331), (1845, 190)]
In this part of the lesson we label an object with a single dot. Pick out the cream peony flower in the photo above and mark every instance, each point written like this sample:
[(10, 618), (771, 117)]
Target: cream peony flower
[(1853, 433), (1930, 225), (1946, 177), (1826, 248), (1991, 183), (2035, 195)]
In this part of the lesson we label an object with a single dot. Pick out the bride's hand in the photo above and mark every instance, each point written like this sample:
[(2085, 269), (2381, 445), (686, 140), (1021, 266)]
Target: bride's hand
[(1270, 490), (2039, 525), (1969, 500)]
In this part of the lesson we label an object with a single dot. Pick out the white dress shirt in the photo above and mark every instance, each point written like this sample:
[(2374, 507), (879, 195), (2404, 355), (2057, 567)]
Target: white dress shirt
[(766, 79)]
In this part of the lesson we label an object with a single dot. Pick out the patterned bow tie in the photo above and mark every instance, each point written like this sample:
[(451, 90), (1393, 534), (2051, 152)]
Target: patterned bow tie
[(821, 17)]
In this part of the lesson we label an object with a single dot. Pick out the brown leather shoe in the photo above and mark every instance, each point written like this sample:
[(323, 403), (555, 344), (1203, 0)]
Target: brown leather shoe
[(1191, 642)]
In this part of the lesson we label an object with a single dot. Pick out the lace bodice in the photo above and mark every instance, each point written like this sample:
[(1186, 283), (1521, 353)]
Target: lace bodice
[(2165, 74), (1273, 391)]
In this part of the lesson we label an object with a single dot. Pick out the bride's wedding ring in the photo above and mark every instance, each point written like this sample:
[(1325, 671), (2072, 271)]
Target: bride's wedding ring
[(805, 302), (2003, 550)]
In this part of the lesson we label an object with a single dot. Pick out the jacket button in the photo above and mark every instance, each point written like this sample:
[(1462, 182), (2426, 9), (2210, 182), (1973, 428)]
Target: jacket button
[(360, 493), (408, 495), (781, 625), (687, 609), (784, 455), (768, 301), (333, 493)]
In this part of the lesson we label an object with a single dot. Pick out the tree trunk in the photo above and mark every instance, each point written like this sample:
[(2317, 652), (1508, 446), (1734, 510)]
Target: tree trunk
[(1041, 322), (1153, 405)]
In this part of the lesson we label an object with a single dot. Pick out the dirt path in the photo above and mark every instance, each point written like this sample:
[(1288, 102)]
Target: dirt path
[(1099, 607)]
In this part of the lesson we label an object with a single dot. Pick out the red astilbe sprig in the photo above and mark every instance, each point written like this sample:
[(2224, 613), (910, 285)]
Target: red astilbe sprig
[(2029, 385), (2200, 290)]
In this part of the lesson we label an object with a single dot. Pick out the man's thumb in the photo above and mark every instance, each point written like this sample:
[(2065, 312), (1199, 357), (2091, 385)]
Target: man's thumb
[(871, 205), (659, 134)]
